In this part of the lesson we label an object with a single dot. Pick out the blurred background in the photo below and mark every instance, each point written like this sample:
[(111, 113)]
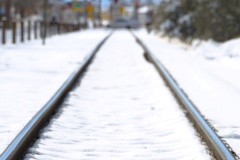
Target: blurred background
[(99, 12), (184, 19), (199, 19)]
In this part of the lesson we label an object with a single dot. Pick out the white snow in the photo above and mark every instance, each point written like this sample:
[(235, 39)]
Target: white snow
[(122, 109), (209, 74), (31, 73), (173, 6)]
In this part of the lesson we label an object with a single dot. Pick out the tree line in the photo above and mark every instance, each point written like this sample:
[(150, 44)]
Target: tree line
[(203, 19)]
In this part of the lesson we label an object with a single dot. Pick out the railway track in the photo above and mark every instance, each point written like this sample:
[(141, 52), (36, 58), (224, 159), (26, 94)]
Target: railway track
[(116, 112)]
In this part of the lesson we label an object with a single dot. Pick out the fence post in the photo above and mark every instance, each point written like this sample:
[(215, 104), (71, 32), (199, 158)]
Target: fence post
[(3, 31), (48, 30), (29, 30), (63, 28), (14, 32), (35, 29), (22, 30), (58, 28), (41, 29)]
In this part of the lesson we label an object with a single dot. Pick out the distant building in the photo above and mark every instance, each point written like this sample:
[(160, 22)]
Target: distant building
[(145, 15), (68, 16)]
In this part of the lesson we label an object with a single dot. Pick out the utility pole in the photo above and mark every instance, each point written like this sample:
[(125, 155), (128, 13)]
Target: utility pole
[(100, 12), (136, 6), (85, 13)]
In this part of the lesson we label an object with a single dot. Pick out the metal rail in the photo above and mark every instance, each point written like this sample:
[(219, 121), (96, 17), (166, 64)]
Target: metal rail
[(213, 141), (23, 140)]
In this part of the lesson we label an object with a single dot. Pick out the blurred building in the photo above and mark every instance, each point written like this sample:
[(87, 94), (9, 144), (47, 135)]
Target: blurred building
[(145, 15)]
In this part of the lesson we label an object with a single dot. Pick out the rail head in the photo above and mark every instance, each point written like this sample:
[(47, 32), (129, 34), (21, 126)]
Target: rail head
[(23, 140), (213, 141)]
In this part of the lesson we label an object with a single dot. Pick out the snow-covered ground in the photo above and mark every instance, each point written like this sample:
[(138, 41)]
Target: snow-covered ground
[(31, 73), (122, 109), (209, 74)]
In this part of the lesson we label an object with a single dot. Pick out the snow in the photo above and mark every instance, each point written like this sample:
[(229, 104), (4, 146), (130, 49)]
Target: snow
[(172, 7), (31, 73), (185, 19), (208, 73), (127, 113), (143, 9)]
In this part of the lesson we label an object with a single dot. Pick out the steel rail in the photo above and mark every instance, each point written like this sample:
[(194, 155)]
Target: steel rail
[(213, 141), (23, 140)]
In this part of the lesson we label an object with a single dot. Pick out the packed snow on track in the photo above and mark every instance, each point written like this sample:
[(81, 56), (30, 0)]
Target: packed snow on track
[(209, 73), (31, 73)]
